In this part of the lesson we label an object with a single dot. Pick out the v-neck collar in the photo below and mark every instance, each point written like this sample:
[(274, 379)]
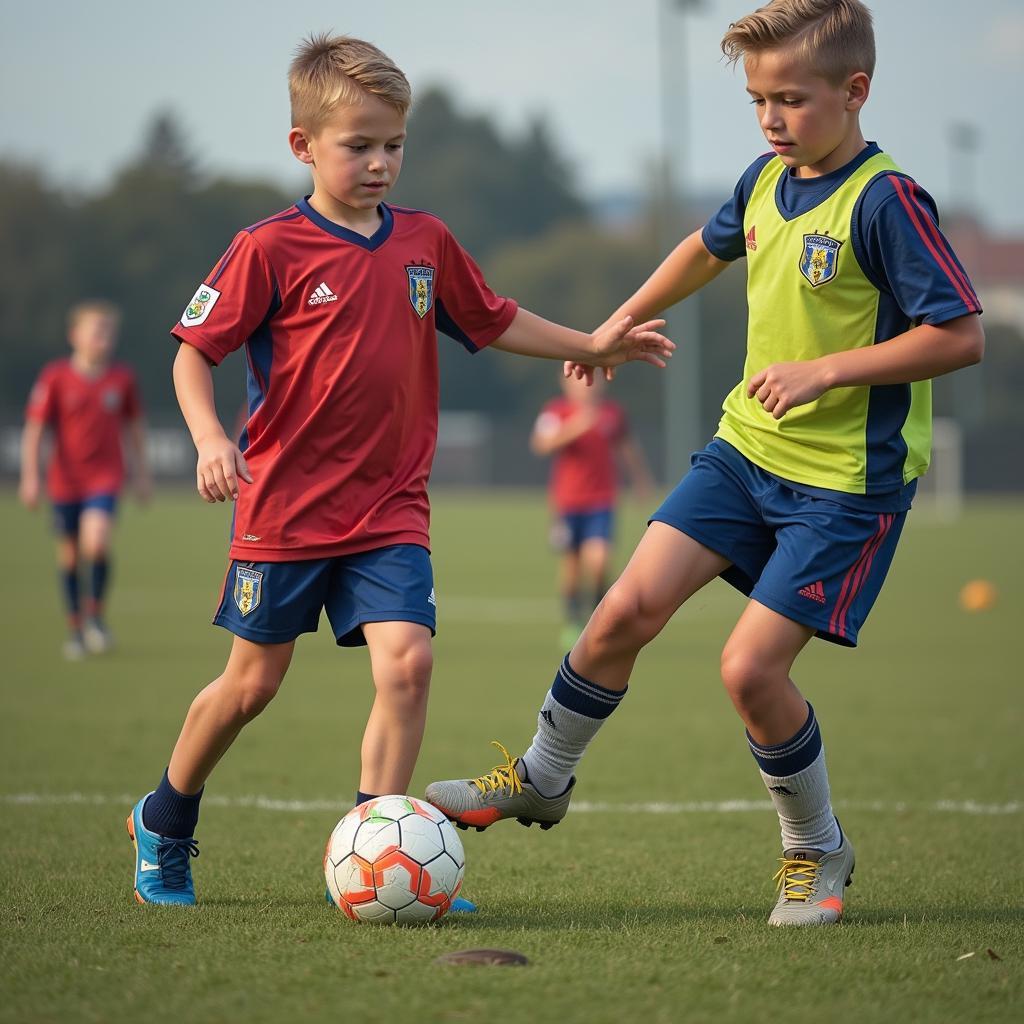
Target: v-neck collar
[(371, 244)]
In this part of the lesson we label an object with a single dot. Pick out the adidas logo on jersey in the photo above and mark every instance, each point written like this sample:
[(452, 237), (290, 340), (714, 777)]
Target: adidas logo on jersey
[(816, 592), (321, 294), (752, 238)]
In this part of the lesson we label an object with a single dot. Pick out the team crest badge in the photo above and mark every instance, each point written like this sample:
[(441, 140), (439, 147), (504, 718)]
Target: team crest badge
[(820, 260), (248, 589), (421, 289), (200, 307)]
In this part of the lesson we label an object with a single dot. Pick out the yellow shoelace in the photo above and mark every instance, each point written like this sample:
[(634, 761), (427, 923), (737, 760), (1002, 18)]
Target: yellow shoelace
[(502, 776), (797, 878)]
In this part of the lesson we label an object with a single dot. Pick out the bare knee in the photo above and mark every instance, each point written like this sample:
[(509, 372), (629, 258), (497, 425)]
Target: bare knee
[(253, 687), (67, 553), (93, 550), (623, 622), (402, 675), (748, 677)]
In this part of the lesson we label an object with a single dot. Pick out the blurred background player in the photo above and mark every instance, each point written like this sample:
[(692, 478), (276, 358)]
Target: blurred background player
[(91, 406), (586, 432)]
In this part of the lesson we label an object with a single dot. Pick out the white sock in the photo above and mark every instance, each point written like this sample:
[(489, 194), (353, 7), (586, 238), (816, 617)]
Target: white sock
[(795, 775), (804, 806), (573, 711)]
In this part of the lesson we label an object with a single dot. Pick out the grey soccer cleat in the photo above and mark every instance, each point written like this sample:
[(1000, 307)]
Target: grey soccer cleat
[(501, 793), (811, 885), (96, 637), (73, 648)]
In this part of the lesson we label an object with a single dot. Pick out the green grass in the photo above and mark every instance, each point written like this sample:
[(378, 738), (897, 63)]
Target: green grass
[(624, 916)]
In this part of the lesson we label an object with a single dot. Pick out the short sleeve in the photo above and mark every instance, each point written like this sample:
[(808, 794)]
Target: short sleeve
[(466, 309), (548, 420), (723, 235), (235, 298), (899, 244), (42, 400)]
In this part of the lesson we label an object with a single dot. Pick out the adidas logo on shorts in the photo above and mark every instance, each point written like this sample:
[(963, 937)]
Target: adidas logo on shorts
[(816, 592)]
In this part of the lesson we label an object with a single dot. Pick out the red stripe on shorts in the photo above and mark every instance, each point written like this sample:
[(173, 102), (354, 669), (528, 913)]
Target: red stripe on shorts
[(855, 578)]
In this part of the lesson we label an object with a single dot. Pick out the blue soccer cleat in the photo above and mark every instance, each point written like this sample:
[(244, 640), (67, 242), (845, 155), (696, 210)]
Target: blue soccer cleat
[(162, 870)]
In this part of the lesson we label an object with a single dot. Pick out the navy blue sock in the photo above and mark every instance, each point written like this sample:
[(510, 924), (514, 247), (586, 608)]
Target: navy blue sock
[(98, 576), (170, 813), (362, 797), (69, 586)]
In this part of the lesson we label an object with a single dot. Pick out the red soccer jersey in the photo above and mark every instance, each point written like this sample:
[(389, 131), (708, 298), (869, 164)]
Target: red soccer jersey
[(583, 474), (86, 415), (341, 346)]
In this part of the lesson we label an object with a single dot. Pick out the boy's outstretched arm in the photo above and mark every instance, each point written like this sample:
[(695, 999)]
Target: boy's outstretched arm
[(220, 463), (921, 353), (610, 345), (686, 269)]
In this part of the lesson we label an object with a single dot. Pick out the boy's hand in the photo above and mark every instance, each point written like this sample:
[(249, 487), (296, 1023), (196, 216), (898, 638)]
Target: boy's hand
[(219, 466), (581, 371), (623, 342), (783, 386), (28, 492)]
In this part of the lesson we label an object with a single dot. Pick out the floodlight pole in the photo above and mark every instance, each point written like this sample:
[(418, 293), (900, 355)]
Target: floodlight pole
[(682, 390)]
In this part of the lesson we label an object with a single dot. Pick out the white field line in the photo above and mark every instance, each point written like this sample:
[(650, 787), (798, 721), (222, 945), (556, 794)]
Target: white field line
[(265, 803)]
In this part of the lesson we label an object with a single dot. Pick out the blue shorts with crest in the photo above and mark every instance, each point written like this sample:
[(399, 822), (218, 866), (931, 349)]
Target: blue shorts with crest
[(809, 558), (273, 602)]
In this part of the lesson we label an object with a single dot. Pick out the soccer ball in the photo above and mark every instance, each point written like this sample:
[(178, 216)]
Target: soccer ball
[(394, 860)]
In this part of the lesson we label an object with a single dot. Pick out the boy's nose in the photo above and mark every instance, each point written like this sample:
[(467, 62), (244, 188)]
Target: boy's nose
[(770, 119)]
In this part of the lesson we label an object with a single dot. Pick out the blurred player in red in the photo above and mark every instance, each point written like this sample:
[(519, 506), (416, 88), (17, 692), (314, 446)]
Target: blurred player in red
[(585, 431), (90, 404)]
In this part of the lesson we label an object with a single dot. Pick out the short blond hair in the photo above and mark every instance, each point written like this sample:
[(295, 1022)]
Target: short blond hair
[(333, 71), (833, 37), (92, 307)]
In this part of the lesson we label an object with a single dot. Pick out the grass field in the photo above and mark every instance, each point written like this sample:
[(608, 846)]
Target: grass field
[(627, 913)]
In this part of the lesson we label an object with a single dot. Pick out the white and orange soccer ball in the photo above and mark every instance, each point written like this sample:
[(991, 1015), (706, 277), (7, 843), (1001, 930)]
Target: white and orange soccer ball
[(394, 860)]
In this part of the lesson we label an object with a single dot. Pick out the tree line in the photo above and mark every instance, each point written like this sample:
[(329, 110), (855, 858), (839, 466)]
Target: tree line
[(146, 238)]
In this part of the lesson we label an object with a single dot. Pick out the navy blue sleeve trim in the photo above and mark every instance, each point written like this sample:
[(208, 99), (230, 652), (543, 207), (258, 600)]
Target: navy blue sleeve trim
[(723, 235), (446, 325), (897, 242)]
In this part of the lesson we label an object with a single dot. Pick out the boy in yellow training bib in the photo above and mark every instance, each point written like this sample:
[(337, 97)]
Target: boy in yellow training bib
[(856, 301)]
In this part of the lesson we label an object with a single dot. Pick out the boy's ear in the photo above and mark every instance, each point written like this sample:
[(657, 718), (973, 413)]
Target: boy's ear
[(858, 87), (299, 143)]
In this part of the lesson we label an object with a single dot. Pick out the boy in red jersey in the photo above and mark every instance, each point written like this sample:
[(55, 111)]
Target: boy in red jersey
[(336, 301), (88, 402), (585, 431)]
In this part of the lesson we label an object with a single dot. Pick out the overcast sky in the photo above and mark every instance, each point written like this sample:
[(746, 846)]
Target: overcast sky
[(80, 80)]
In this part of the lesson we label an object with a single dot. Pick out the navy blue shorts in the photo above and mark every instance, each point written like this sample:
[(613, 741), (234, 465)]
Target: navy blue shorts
[(68, 514), (813, 560), (273, 602), (575, 528)]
